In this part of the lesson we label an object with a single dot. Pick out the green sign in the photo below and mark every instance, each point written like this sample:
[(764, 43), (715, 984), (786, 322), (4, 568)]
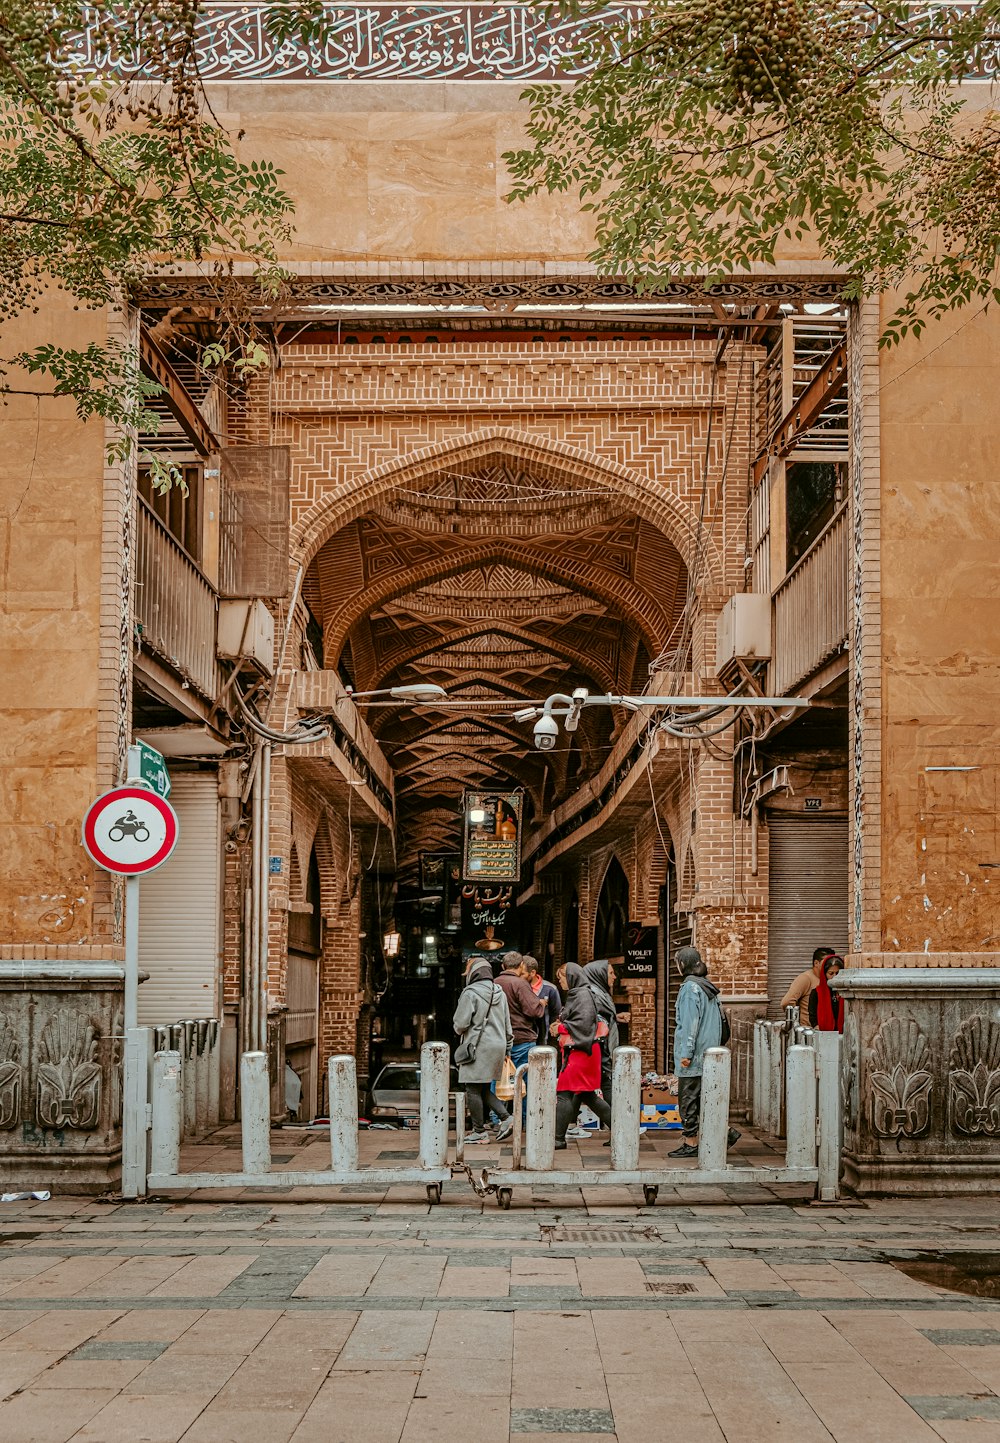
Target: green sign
[(146, 764)]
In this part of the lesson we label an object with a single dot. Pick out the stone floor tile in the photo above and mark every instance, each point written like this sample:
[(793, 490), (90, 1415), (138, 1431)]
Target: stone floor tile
[(396, 1339), (224, 1423), (641, 1406), (611, 1277), (236, 1330), (65, 1278), (432, 1420), (143, 1418), (93, 1373), (151, 1325), (745, 1275), (937, 1406), (902, 1355), (174, 1372), (628, 1340), (751, 1395), (49, 1417), (18, 1369), (467, 1336), (62, 1329), (583, 1422), (543, 1272), (340, 1276), (407, 1276), (343, 1409), (13, 1321), (203, 1277), (465, 1282), (468, 1378)]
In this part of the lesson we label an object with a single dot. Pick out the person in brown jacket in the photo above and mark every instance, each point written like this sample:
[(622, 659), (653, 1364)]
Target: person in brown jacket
[(798, 993), (524, 1007)]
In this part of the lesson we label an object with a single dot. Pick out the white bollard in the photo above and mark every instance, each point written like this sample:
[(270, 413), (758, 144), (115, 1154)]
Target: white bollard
[(434, 1060), (255, 1112), (165, 1151), (800, 1105), (775, 1076), (540, 1143), (459, 1126), (759, 1064), (343, 1073), (214, 1061), (626, 1101), (713, 1128), (201, 1077), (135, 1080), (831, 1119), (189, 1077)]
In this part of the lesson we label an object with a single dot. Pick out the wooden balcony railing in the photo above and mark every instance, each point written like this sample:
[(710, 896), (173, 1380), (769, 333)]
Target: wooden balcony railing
[(175, 606), (811, 609)]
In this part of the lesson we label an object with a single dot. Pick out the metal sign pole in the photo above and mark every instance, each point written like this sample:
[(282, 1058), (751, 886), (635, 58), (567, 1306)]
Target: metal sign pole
[(134, 1062)]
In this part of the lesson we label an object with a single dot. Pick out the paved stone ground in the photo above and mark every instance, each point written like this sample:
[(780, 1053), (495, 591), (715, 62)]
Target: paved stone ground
[(378, 1319)]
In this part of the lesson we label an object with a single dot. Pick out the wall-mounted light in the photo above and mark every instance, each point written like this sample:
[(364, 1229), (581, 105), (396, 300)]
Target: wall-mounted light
[(390, 944), (430, 940)]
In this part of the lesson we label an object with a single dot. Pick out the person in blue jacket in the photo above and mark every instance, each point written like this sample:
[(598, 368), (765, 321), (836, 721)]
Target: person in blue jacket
[(698, 1026)]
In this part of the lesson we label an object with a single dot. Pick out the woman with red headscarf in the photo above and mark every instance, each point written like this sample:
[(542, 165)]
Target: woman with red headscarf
[(826, 1008)]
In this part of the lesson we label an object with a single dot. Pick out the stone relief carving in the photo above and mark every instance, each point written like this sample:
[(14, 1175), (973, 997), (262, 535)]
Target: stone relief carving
[(974, 1079), (850, 1073), (10, 1076), (69, 1077), (901, 1080)]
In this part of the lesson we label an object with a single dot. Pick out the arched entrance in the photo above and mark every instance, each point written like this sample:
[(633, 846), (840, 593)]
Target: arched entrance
[(611, 918)]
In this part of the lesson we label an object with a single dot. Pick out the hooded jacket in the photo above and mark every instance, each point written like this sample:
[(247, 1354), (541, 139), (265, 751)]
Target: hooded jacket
[(474, 1011), (698, 1024), (596, 975)]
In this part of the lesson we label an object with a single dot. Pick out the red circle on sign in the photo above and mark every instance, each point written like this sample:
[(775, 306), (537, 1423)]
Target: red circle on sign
[(115, 798)]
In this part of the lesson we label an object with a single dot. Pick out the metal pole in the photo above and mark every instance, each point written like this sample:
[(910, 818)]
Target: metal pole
[(434, 1059), (264, 894), (165, 1153), (800, 1095), (255, 1113), (190, 1077), (625, 1108), (252, 1041), (214, 1065), (775, 1076), (758, 1073), (343, 1072), (713, 1131), (460, 1126), (201, 1077), (131, 952), (540, 1144)]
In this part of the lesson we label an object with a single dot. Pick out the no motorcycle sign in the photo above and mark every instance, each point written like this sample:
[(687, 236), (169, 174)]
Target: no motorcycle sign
[(130, 830)]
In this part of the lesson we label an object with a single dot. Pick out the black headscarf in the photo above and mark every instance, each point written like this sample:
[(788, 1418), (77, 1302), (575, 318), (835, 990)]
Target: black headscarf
[(596, 976), (579, 1014)]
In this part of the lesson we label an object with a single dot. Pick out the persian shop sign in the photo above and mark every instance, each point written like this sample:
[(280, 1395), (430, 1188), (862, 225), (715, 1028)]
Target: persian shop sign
[(640, 951), (492, 837)]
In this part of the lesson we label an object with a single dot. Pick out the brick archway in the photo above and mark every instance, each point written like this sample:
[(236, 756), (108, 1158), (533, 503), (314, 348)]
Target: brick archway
[(548, 459)]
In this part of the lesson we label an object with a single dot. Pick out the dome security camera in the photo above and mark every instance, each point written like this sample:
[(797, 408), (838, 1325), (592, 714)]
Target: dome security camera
[(546, 733)]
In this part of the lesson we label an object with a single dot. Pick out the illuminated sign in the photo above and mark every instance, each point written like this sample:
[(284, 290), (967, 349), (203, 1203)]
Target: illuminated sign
[(492, 833)]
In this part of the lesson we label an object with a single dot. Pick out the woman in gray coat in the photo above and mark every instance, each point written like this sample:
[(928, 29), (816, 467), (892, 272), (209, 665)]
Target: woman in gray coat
[(482, 1021)]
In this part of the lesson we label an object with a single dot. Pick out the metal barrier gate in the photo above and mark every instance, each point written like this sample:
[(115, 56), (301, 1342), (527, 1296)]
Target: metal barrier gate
[(811, 1089)]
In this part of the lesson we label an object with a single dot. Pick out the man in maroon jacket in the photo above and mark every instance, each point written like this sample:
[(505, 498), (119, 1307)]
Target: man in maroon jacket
[(525, 1008)]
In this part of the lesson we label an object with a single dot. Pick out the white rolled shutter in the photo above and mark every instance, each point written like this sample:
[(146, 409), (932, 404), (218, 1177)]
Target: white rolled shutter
[(179, 912), (808, 897)]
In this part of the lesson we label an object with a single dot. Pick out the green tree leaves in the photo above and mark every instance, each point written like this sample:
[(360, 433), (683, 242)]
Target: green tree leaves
[(712, 132)]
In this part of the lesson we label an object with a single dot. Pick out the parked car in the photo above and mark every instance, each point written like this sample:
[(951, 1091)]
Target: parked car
[(394, 1096)]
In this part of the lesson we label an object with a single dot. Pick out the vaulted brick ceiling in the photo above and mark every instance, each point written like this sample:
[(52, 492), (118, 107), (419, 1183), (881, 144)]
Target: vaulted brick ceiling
[(499, 588)]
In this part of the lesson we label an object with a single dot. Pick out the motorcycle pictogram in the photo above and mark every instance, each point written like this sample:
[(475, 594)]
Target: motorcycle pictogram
[(129, 826)]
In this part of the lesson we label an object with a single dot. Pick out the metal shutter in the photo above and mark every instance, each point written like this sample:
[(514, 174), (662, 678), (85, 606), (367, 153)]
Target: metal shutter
[(179, 912), (807, 903)]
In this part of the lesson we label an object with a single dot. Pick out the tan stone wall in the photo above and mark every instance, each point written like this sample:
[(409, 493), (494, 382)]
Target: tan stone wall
[(60, 653), (940, 589)]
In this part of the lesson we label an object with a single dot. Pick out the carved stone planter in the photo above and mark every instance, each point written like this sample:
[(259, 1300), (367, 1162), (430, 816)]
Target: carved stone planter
[(60, 1076), (921, 1079)]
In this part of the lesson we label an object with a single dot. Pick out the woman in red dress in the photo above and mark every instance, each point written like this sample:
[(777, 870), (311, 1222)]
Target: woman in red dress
[(826, 1008), (580, 1074)]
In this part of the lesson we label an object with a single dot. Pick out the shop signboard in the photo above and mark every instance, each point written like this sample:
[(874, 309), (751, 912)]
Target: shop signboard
[(640, 951), (492, 836)]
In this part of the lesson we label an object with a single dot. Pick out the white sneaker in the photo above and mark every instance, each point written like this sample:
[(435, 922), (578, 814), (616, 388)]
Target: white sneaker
[(578, 1132), (505, 1129), (478, 1137)]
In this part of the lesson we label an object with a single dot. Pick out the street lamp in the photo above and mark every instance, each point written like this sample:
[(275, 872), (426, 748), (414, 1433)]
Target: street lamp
[(419, 691)]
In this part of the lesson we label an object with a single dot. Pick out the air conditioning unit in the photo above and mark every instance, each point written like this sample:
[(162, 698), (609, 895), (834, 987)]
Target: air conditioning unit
[(743, 630), (246, 629)]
